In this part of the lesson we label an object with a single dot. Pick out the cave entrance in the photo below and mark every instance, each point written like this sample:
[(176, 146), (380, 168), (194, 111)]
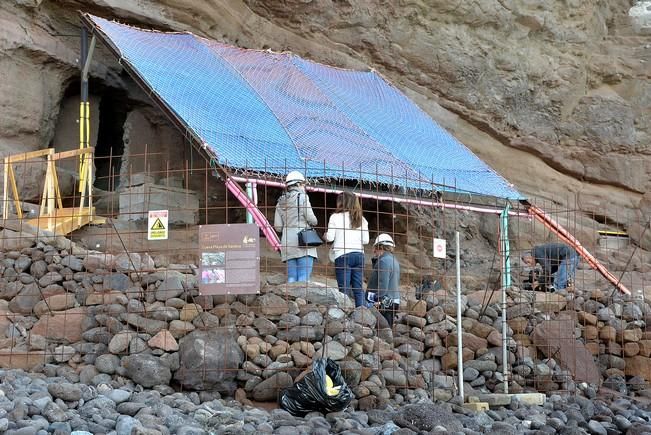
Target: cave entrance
[(110, 142)]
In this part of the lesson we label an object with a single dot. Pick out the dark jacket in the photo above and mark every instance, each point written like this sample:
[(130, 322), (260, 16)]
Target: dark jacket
[(385, 276), (550, 257)]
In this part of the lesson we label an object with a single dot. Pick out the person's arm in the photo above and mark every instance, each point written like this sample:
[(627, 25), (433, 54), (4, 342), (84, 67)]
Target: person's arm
[(365, 236), (308, 213), (385, 269), (332, 228), (278, 220), (546, 274)]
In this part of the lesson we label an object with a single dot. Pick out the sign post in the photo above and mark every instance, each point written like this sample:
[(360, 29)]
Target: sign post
[(459, 323)]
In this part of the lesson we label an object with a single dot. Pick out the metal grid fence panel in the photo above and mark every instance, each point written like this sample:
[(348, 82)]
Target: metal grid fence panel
[(108, 305)]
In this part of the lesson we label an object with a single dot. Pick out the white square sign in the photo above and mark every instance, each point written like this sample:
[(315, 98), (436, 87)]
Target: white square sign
[(439, 248), (157, 225)]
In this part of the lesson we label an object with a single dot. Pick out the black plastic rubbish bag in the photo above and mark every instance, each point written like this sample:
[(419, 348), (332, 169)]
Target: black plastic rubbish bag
[(312, 394)]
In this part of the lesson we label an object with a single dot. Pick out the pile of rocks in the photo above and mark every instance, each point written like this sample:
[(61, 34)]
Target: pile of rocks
[(134, 319), (123, 317), (590, 326)]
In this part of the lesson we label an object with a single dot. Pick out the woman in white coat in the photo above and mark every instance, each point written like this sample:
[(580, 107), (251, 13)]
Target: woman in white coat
[(293, 214), (348, 232)]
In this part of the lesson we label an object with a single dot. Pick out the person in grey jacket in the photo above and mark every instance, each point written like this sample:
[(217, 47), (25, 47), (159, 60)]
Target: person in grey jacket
[(293, 214), (385, 278)]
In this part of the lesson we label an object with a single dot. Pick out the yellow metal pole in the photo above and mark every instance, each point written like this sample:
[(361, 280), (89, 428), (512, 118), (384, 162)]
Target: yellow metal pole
[(84, 141)]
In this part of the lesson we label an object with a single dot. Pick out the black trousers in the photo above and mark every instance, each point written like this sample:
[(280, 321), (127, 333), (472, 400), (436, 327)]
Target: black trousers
[(389, 312)]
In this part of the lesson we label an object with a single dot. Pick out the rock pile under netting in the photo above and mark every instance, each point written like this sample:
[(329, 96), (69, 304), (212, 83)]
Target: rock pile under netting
[(122, 319)]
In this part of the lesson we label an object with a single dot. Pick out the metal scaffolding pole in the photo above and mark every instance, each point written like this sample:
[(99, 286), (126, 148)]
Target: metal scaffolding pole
[(506, 283), (459, 323)]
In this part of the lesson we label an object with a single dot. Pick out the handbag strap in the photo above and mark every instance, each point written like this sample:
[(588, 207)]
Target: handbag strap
[(298, 207)]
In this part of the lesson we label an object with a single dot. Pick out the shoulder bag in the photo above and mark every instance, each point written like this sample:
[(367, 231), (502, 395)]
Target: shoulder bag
[(308, 237)]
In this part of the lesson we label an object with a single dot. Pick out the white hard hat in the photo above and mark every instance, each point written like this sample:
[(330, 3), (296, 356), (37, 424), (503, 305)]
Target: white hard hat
[(293, 178), (384, 239)]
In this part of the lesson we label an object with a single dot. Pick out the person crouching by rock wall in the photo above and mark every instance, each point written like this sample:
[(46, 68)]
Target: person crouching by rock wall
[(293, 214), (558, 262), (348, 232), (385, 278)]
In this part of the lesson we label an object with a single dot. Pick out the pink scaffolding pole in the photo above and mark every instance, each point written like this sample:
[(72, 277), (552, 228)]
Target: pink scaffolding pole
[(258, 216), (385, 197)]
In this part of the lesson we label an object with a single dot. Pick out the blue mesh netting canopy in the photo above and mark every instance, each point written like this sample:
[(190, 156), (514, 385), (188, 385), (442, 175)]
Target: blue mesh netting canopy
[(268, 112)]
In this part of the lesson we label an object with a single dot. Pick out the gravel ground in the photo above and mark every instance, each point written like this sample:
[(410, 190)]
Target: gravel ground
[(33, 403)]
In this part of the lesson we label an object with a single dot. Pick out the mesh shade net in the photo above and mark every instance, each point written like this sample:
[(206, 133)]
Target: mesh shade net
[(267, 112)]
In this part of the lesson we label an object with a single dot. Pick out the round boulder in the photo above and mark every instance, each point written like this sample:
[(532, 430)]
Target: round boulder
[(209, 360)]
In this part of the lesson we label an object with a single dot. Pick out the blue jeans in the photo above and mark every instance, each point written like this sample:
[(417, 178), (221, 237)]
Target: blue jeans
[(566, 270), (349, 269), (299, 269)]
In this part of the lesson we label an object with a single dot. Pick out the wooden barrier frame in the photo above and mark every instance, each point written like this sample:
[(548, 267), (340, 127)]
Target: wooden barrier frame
[(10, 179), (52, 215)]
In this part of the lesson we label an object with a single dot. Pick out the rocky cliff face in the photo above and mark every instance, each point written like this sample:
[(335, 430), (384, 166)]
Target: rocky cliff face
[(554, 95)]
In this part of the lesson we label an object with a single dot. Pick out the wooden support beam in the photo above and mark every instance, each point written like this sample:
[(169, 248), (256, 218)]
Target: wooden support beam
[(30, 155), (64, 220), (57, 190), (14, 189), (72, 153)]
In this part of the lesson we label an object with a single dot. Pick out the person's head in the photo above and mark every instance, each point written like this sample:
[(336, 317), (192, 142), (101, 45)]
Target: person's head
[(528, 259), (347, 202), (383, 243), (295, 179)]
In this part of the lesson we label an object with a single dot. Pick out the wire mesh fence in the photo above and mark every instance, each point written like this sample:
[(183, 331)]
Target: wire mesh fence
[(110, 305)]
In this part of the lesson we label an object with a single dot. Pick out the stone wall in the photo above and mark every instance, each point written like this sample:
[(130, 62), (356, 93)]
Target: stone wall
[(121, 318)]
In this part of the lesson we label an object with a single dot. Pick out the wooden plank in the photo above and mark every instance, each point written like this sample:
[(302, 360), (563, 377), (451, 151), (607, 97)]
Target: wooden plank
[(30, 155), (57, 192), (50, 187), (64, 221), (72, 153), (477, 406), (44, 195), (14, 189), (97, 220)]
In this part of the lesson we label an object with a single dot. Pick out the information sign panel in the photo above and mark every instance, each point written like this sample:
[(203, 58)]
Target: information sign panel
[(230, 259)]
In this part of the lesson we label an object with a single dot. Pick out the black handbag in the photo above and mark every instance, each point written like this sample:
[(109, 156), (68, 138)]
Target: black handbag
[(308, 237)]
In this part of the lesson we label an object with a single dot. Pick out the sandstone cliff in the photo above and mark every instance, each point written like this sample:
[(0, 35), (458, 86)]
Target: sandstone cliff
[(554, 95)]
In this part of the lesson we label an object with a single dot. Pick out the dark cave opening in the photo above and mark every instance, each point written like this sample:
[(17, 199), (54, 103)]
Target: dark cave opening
[(113, 112)]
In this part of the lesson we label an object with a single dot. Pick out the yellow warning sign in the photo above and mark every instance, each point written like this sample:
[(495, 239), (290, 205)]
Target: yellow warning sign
[(157, 225)]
